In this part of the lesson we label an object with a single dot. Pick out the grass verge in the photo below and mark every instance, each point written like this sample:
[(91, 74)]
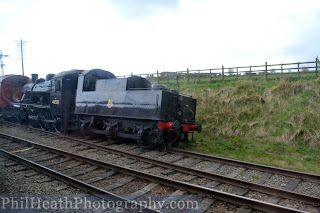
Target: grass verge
[(267, 122)]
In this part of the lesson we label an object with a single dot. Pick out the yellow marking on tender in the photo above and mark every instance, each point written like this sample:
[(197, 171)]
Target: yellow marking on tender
[(55, 101), (22, 150)]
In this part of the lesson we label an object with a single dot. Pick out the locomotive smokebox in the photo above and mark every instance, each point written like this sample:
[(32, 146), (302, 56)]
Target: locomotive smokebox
[(34, 77), (49, 77)]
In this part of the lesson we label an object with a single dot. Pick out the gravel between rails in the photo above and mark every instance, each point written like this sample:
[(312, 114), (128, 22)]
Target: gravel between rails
[(222, 207), (162, 190), (124, 147), (277, 181), (76, 169), (152, 154), (227, 188), (131, 187), (293, 204), (207, 166), (185, 162), (227, 170), (167, 157), (178, 176), (155, 170), (257, 195), (110, 180), (201, 181), (92, 174), (251, 175), (61, 165), (308, 188)]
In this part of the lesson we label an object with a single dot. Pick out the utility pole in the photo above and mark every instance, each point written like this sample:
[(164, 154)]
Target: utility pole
[(2, 64), (21, 45)]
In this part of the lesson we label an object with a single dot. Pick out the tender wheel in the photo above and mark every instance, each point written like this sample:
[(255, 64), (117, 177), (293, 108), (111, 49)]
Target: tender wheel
[(171, 138), (115, 139), (145, 141), (57, 124)]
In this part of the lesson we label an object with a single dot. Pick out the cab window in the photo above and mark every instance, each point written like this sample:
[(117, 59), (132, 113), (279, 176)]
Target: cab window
[(58, 85)]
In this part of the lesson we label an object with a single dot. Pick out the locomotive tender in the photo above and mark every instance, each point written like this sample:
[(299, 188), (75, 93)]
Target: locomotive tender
[(96, 102)]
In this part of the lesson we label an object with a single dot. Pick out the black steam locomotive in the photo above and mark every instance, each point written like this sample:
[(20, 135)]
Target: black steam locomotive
[(96, 102)]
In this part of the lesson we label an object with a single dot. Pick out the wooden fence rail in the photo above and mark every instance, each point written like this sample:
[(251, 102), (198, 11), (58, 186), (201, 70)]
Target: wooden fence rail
[(266, 71)]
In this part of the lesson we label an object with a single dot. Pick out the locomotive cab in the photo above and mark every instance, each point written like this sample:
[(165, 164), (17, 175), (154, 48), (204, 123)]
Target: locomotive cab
[(62, 100)]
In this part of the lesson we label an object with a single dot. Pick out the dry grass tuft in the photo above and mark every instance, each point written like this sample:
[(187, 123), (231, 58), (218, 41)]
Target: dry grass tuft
[(286, 112)]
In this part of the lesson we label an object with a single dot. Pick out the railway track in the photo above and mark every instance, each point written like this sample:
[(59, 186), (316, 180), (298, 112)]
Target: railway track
[(42, 157), (240, 188)]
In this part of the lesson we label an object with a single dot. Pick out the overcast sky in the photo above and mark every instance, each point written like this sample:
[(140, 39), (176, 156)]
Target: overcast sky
[(143, 36)]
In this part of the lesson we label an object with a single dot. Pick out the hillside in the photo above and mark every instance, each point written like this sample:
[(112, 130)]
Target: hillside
[(275, 122)]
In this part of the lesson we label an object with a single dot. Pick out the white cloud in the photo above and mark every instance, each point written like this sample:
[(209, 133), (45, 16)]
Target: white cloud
[(82, 34)]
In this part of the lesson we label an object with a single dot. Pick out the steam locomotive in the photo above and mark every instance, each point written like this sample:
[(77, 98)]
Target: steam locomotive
[(96, 102)]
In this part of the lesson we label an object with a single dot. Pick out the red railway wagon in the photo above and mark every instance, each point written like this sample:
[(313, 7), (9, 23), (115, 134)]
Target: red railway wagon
[(10, 93)]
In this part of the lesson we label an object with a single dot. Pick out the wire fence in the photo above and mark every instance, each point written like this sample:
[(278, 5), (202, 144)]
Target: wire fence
[(267, 71)]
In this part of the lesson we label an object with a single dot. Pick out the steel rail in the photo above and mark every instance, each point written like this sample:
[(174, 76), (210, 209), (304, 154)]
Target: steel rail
[(72, 181), (216, 177), (220, 195), (264, 168)]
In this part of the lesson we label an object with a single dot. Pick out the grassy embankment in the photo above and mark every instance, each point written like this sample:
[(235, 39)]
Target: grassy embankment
[(267, 122)]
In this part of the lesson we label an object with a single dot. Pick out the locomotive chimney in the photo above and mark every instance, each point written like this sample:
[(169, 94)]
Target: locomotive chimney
[(49, 77), (34, 77)]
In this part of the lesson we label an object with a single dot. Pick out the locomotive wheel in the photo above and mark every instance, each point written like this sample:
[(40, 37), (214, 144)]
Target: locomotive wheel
[(33, 123), (57, 124), (23, 121), (45, 125)]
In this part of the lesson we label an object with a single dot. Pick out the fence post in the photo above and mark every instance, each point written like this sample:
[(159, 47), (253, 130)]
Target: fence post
[(298, 70), (222, 72), (177, 77), (281, 70), (237, 73), (131, 74), (158, 77), (168, 77), (266, 72), (250, 73), (188, 75), (210, 76), (316, 66), (199, 76)]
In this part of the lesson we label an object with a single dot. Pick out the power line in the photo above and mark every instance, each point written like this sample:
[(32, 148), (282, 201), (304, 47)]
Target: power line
[(21, 45), (2, 64)]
